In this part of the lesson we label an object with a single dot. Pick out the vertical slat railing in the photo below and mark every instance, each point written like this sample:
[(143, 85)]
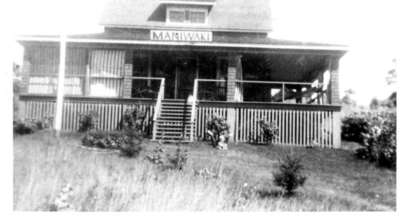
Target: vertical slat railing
[(193, 112), (157, 108)]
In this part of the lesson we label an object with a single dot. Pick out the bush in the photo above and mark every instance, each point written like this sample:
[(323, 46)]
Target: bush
[(28, 126), (217, 130), (179, 159), (132, 119), (353, 127), (380, 140), (88, 121), (289, 176), (127, 141), (157, 156), (269, 132), (131, 146), (376, 133)]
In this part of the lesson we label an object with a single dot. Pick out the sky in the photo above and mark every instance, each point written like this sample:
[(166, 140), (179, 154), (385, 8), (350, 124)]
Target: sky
[(368, 27)]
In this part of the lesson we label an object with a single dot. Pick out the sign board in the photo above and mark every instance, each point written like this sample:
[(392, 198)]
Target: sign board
[(194, 36)]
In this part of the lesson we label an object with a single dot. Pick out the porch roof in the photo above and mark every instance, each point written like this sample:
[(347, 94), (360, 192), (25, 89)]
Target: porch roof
[(265, 44)]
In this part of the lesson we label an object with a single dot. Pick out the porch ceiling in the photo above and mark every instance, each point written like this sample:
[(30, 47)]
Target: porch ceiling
[(292, 68)]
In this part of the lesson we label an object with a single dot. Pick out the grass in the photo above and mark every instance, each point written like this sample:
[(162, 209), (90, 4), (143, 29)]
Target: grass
[(105, 181)]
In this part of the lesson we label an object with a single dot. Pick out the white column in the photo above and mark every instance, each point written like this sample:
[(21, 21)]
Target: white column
[(60, 87)]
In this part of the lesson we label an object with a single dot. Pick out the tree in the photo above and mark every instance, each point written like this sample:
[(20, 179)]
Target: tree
[(347, 99), (391, 77), (374, 104)]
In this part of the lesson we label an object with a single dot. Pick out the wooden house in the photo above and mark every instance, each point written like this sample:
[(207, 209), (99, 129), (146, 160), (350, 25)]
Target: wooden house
[(181, 61)]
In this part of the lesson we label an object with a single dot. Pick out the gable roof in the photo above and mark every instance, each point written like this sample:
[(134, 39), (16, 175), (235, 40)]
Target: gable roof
[(224, 15)]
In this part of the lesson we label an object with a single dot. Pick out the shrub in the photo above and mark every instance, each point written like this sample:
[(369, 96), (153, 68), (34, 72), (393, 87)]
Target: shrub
[(269, 132), (156, 156), (131, 145), (28, 126), (132, 118), (289, 176), (176, 161), (353, 127), (179, 159), (88, 121), (380, 140), (217, 130), (127, 141)]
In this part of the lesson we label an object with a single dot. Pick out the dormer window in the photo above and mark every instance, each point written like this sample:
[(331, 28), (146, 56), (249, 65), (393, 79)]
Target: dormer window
[(182, 15)]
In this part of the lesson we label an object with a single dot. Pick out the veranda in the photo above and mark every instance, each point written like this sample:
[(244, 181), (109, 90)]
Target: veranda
[(180, 86)]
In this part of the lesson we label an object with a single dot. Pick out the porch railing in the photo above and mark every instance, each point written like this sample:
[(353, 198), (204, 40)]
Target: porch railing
[(157, 108), (283, 90), (212, 89), (193, 111)]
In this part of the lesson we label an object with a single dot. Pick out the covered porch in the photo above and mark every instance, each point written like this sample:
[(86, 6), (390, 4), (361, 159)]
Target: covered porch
[(294, 86)]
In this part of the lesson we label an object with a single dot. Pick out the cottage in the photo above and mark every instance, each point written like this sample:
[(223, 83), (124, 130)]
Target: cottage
[(182, 61)]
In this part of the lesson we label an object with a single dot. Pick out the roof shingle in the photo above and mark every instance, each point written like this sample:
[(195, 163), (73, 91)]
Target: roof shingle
[(225, 15)]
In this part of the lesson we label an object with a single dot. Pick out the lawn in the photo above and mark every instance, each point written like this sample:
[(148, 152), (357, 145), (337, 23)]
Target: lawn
[(105, 181)]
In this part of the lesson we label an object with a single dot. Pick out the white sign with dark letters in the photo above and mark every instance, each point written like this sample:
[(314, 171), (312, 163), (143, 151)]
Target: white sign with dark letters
[(195, 36)]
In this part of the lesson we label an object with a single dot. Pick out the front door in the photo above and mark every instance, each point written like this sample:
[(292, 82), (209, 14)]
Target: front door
[(185, 75)]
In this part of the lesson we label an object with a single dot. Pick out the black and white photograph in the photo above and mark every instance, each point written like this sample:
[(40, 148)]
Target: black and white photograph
[(204, 105)]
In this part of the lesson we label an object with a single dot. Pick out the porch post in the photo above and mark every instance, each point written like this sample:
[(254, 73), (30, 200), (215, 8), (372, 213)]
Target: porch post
[(233, 93), (128, 68), (333, 98), (60, 86), (26, 68), (333, 88), (234, 72)]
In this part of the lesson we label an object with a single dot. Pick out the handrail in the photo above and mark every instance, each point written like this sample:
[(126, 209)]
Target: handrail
[(157, 108), (211, 80), (193, 112), (274, 82)]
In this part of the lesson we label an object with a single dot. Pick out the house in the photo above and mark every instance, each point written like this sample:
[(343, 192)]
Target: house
[(182, 61)]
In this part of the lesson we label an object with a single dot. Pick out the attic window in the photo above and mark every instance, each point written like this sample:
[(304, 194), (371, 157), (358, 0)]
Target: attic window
[(187, 15)]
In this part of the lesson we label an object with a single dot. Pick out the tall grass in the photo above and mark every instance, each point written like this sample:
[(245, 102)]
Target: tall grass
[(104, 181)]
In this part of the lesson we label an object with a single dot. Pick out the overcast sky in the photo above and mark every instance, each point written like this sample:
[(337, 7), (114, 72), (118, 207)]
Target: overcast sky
[(367, 26)]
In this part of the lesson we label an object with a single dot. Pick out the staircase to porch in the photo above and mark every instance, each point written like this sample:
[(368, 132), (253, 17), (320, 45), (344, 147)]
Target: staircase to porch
[(174, 121)]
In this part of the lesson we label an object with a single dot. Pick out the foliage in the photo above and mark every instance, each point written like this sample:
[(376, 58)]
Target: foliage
[(289, 176), (104, 182), (88, 121), (380, 140), (269, 132), (127, 141), (178, 160), (376, 132), (353, 127), (217, 130), (131, 146), (132, 118), (156, 156), (28, 126), (17, 84), (348, 98)]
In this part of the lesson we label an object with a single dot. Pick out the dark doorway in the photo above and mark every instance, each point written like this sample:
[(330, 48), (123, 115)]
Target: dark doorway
[(185, 75)]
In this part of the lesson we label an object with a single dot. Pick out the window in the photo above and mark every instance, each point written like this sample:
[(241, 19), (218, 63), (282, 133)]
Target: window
[(106, 72), (187, 15), (43, 76)]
